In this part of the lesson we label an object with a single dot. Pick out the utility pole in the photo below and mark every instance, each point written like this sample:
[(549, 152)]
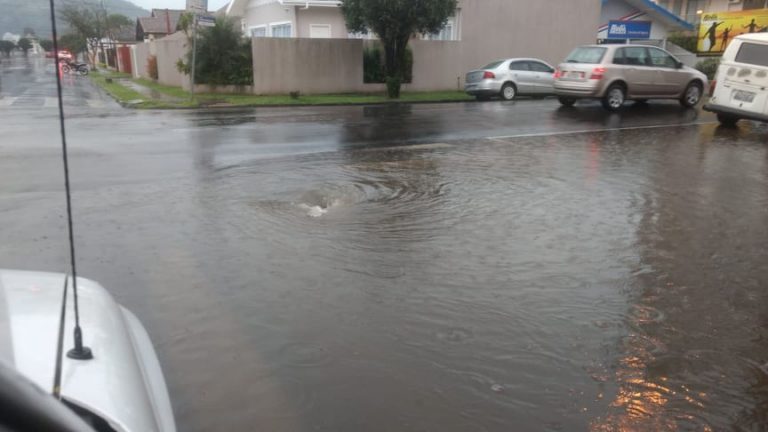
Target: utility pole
[(194, 55)]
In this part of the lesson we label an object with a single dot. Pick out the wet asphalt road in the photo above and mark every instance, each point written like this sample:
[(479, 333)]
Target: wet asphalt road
[(460, 267)]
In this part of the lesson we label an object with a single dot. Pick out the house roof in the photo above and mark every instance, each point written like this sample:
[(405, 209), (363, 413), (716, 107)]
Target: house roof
[(163, 21), (660, 14), (155, 25)]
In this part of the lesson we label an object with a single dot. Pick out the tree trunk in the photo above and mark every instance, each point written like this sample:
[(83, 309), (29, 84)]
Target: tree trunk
[(394, 57)]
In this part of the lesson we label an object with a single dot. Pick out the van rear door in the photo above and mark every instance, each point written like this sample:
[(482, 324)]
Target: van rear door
[(746, 78)]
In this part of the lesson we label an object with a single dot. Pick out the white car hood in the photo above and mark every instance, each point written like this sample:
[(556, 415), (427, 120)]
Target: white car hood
[(122, 383)]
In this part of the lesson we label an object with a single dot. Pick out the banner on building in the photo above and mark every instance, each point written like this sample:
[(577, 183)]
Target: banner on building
[(719, 28), (629, 29)]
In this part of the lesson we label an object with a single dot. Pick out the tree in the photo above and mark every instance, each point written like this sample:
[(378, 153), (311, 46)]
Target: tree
[(29, 31), (395, 22), (72, 42), (25, 45), (224, 56), (6, 47), (46, 44), (88, 22)]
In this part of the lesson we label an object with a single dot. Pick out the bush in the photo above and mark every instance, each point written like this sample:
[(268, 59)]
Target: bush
[(687, 41), (709, 67), (374, 68), (224, 56), (152, 67)]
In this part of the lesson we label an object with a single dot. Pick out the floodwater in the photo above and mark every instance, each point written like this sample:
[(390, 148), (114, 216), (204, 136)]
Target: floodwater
[(378, 269), (602, 281)]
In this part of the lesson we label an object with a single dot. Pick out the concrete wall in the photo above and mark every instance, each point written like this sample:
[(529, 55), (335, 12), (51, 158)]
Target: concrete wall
[(140, 54), (310, 66), (320, 15), (169, 50)]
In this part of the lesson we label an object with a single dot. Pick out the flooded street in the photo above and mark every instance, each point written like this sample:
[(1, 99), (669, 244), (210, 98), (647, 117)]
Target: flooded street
[(464, 267)]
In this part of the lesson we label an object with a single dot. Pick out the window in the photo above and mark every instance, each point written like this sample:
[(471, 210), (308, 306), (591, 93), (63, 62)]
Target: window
[(633, 56), (450, 32), (519, 66), (258, 31), (589, 55), (281, 30), (493, 65), (618, 57), (320, 31), (445, 34), (661, 59), (753, 54), (540, 67)]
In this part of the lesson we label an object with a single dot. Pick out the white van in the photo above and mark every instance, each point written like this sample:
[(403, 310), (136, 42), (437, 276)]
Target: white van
[(740, 90)]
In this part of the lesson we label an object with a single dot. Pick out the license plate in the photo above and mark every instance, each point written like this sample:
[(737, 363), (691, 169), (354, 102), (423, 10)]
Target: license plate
[(743, 96), (575, 75)]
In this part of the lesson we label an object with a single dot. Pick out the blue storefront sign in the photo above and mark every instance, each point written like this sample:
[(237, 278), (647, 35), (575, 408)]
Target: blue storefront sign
[(629, 30)]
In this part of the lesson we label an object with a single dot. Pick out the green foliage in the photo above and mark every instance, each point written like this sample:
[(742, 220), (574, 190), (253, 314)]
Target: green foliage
[(224, 56), (46, 44), (709, 67), (72, 42), (152, 67), (395, 22), (373, 65), (25, 45), (6, 47), (685, 40)]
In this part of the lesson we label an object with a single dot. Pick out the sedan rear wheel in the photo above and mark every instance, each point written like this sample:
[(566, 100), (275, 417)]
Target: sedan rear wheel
[(508, 91), (614, 98), (691, 96)]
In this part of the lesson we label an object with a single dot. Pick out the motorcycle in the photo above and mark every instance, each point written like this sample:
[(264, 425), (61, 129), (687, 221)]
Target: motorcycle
[(80, 68)]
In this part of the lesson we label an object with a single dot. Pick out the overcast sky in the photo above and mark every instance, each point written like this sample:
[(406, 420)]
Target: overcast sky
[(175, 4)]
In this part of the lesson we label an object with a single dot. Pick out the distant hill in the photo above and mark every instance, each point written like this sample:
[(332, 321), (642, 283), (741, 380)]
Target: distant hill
[(16, 14)]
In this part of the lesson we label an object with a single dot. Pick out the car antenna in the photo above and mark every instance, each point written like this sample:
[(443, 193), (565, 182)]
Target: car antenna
[(79, 352)]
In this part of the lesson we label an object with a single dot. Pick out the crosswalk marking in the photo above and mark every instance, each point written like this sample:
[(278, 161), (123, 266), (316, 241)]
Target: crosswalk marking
[(7, 101), (51, 102)]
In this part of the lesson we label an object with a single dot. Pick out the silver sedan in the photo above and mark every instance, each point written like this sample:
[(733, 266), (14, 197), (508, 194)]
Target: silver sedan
[(510, 78)]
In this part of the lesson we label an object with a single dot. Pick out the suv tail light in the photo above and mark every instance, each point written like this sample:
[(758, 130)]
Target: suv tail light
[(712, 88), (597, 73), (558, 73), (489, 75)]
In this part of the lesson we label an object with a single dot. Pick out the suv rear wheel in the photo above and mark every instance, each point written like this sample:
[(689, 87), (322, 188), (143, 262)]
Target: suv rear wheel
[(691, 95), (614, 97)]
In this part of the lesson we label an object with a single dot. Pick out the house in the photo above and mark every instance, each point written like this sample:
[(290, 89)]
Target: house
[(621, 20), (161, 22), (289, 18)]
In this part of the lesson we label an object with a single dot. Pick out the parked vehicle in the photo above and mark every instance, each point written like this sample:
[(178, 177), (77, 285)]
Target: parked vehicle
[(510, 78), (80, 68), (114, 383), (740, 89), (616, 73)]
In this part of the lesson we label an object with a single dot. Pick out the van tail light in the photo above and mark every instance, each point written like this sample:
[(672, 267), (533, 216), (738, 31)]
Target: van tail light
[(597, 73), (712, 87), (489, 75), (558, 73)]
